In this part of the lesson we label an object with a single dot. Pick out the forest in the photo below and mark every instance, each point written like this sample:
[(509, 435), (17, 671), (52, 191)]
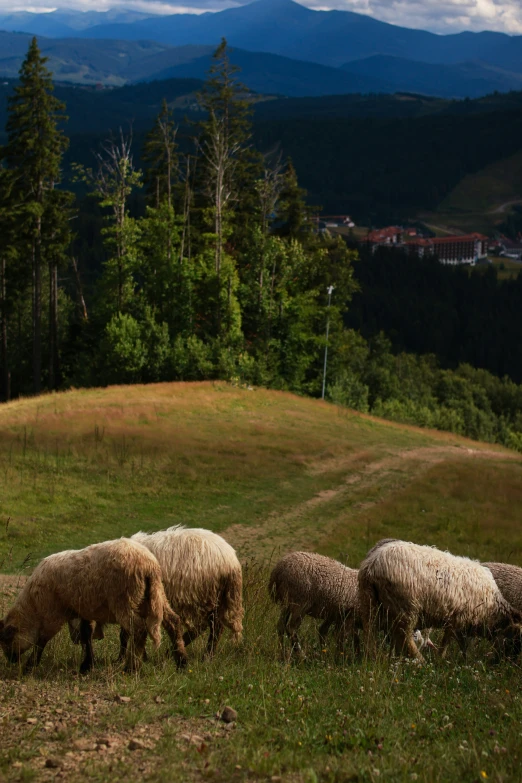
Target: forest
[(204, 263)]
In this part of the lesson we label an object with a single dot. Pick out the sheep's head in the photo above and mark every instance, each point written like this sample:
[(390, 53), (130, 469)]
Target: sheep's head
[(12, 642)]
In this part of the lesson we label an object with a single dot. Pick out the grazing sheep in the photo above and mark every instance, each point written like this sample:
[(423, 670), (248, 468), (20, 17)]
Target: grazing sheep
[(203, 581), (112, 582), (305, 583), (420, 586), (508, 579)]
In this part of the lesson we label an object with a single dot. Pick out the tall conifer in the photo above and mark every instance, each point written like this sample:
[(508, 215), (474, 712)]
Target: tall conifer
[(223, 142), (34, 152)]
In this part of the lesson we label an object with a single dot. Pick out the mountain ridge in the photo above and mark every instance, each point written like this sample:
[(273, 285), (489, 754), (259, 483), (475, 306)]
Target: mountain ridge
[(289, 29)]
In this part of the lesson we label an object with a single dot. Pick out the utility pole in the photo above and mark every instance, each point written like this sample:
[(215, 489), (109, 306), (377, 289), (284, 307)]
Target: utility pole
[(329, 289)]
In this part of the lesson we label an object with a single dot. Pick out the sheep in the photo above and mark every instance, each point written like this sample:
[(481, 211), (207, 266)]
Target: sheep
[(508, 579), (203, 581), (112, 582), (305, 583), (422, 586)]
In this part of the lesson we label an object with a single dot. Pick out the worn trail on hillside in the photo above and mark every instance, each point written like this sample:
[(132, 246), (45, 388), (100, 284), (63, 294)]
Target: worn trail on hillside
[(382, 476)]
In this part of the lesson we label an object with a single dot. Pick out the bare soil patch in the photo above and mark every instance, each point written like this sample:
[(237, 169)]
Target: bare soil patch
[(67, 735)]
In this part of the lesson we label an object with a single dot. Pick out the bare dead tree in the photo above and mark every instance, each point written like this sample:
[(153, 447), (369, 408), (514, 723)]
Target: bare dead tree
[(113, 182)]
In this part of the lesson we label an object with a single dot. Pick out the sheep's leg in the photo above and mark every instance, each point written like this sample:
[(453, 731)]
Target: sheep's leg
[(292, 627), (461, 638), (346, 633), (124, 641), (463, 642), (172, 625), (323, 631), (216, 629), (446, 639), (282, 624), (190, 636), (36, 655), (86, 632)]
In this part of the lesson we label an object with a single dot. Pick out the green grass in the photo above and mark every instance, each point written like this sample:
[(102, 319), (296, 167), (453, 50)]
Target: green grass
[(482, 200), (272, 472)]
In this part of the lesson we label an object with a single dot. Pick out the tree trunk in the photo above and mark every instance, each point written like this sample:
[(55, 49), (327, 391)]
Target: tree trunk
[(79, 286), (53, 326), (37, 308), (6, 375)]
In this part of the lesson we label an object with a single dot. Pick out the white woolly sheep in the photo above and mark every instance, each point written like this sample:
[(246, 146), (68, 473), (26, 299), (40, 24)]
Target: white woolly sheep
[(305, 583), (202, 578), (420, 586), (112, 582)]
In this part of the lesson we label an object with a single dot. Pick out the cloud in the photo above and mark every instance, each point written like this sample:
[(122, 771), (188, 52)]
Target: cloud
[(442, 16), (144, 6)]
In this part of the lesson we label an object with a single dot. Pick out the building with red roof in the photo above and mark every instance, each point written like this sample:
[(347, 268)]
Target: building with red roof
[(459, 249)]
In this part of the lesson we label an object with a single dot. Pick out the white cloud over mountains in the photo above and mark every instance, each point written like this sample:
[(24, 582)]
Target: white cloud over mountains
[(443, 16)]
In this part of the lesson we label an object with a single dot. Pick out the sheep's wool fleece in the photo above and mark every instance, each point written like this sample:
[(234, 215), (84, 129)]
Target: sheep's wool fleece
[(105, 582), (321, 585), (201, 573), (509, 581), (423, 581)]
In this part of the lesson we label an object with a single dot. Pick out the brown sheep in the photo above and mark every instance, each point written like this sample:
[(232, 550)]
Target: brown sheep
[(508, 579), (308, 584), (112, 582)]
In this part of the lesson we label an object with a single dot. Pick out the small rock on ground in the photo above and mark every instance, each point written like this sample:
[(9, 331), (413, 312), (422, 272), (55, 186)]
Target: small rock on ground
[(228, 715)]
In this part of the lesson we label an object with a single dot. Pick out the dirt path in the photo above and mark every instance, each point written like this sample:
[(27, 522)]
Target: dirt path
[(279, 532), (503, 207)]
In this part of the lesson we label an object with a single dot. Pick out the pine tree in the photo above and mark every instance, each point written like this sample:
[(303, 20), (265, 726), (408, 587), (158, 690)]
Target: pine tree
[(160, 157), (223, 144), (57, 240), (9, 275), (293, 213), (34, 151)]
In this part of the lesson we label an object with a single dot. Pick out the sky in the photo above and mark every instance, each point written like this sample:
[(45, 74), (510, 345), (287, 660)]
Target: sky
[(440, 16)]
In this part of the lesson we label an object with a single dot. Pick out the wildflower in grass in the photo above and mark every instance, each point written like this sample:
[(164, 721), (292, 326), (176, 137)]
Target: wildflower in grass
[(413, 725), (483, 774)]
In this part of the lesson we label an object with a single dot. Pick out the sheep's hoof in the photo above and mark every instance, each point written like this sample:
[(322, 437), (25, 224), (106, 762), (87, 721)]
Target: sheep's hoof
[(85, 668)]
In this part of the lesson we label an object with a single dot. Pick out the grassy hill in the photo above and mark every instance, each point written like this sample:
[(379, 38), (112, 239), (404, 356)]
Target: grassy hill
[(271, 472), (481, 201), (85, 465)]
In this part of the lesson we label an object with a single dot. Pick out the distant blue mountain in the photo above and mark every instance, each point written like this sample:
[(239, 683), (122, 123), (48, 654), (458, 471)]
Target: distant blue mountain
[(463, 80), (328, 37), (281, 46), (272, 74)]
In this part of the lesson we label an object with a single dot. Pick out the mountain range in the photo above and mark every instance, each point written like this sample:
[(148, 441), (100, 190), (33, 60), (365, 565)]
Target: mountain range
[(281, 46)]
